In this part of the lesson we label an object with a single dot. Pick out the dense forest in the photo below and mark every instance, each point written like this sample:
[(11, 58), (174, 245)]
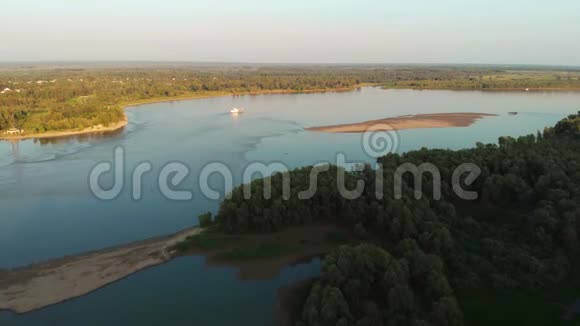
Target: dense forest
[(491, 82), (40, 99), (415, 255)]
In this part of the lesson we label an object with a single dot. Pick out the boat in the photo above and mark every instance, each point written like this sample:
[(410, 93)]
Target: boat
[(236, 110), (512, 113)]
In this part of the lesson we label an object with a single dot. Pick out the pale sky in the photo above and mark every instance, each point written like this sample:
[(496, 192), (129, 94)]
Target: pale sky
[(292, 31)]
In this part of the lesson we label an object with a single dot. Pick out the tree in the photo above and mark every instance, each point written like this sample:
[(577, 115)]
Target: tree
[(205, 220)]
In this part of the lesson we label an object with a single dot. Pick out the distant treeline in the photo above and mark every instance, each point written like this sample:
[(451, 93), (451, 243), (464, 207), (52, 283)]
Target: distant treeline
[(415, 254), (501, 80), (74, 98)]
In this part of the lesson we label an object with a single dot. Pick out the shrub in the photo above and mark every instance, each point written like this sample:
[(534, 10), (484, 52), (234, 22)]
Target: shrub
[(205, 220)]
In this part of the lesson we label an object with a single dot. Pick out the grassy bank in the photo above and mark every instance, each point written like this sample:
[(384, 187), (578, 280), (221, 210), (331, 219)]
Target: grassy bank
[(297, 242), (261, 256)]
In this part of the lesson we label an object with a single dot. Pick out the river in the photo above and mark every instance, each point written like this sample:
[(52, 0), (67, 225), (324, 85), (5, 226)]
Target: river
[(47, 209)]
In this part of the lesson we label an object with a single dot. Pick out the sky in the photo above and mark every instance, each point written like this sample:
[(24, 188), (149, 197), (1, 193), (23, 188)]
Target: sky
[(292, 31)]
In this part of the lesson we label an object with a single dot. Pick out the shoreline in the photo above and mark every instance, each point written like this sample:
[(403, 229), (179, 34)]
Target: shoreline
[(36, 286), (216, 94), (126, 105), (418, 121), (39, 285), (63, 134), (292, 246), (508, 89)]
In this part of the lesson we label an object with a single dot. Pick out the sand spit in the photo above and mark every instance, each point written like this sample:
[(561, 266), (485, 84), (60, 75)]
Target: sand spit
[(419, 121), (39, 285)]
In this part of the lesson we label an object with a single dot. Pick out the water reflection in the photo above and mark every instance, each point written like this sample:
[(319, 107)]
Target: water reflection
[(15, 147), (80, 137), (183, 292)]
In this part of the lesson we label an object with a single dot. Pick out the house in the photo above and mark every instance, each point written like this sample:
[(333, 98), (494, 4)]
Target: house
[(5, 90), (13, 131)]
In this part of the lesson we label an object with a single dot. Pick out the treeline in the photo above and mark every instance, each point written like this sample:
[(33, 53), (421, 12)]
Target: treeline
[(60, 99), (367, 286), (39, 101), (521, 233), (500, 81)]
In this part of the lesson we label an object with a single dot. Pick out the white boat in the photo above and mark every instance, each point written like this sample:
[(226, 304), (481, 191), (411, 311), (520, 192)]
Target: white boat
[(236, 110)]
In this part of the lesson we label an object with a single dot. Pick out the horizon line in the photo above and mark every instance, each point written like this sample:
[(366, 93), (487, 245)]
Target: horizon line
[(289, 63)]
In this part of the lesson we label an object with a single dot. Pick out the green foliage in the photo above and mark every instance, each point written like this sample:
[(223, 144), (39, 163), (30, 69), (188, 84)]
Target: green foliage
[(259, 251), (365, 285), (208, 240), (205, 220), (43, 100), (488, 80), (505, 307), (336, 237), (521, 234), (65, 99)]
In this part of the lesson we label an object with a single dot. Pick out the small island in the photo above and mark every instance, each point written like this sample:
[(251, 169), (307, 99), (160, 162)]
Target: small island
[(419, 121)]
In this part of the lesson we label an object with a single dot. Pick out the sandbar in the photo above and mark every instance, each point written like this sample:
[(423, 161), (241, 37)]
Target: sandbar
[(418, 121)]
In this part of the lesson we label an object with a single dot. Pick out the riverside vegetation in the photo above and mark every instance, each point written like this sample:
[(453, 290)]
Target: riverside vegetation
[(509, 257), (45, 98)]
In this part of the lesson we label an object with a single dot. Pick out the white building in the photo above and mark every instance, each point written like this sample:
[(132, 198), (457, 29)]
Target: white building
[(13, 131), (5, 90)]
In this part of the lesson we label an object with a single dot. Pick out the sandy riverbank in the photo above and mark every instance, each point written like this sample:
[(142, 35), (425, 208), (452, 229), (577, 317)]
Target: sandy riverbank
[(67, 133), (419, 121), (36, 286), (39, 285)]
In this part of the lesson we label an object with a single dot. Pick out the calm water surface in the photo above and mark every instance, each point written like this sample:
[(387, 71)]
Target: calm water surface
[(47, 209)]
